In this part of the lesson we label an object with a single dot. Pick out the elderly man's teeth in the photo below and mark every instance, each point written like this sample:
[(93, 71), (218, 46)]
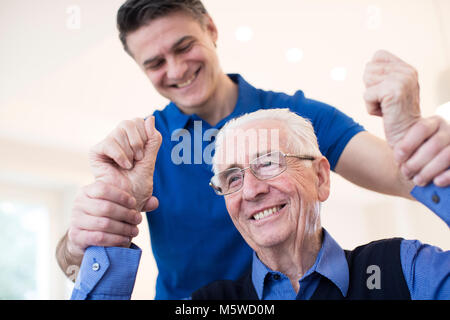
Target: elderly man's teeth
[(266, 213), (185, 84)]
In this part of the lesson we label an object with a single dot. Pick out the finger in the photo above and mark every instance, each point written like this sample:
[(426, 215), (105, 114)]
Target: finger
[(434, 168), (134, 139), (102, 208), (140, 125), (85, 238), (121, 138), (154, 139), (372, 97), (104, 224), (108, 192), (414, 137), (149, 126), (424, 155), (110, 149), (443, 180), (378, 75), (151, 205), (385, 56)]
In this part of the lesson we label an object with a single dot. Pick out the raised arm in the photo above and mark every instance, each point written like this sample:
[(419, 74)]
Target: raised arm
[(107, 212), (417, 150)]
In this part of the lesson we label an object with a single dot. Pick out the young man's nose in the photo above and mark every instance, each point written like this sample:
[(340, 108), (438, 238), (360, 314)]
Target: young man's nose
[(176, 69)]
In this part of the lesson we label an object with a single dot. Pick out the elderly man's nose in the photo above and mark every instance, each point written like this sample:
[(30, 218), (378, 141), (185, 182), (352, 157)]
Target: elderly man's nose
[(252, 187), (176, 69)]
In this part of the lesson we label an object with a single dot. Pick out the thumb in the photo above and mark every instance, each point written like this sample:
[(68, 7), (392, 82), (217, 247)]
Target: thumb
[(154, 140), (385, 56), (151, 205)]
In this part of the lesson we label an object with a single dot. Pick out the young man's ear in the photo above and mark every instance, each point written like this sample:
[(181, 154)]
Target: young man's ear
[(323, 174), (211, 29)]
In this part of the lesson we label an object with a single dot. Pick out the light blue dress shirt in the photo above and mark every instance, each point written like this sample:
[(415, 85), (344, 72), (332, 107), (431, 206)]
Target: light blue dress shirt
[(110, 273)]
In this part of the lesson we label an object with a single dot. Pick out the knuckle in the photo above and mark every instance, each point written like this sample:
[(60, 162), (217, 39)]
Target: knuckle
[(72, 234), (124, 124), (97, 238), (102, 224), (105, 208), (98, 189)]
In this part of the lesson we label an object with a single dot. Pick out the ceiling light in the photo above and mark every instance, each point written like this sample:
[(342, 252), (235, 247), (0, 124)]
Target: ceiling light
[(338, 74), (294, 55)]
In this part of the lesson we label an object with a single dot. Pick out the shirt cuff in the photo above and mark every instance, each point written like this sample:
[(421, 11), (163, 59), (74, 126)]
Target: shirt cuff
[(437, 199), (107, 273)]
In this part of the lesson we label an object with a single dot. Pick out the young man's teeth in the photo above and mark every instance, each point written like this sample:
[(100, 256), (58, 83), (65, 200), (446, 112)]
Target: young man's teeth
[(266, 213), (185, 84)]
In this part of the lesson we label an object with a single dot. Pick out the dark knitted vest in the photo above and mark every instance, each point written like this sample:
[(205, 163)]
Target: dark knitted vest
[(384, 254)]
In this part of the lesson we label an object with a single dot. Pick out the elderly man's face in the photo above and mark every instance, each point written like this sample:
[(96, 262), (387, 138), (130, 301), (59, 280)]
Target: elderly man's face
[(293, 197)]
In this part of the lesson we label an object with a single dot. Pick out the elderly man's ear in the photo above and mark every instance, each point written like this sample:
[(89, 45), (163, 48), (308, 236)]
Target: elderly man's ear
[(322, 167)]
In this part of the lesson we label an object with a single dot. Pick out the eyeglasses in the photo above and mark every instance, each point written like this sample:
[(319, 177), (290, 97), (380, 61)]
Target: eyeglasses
[(264, 167)]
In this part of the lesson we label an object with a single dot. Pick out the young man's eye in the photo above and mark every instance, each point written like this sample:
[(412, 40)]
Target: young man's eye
[(156, 65), (185, 48)]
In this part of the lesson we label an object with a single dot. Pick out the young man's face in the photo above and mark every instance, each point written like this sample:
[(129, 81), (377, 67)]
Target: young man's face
[(179, 57)]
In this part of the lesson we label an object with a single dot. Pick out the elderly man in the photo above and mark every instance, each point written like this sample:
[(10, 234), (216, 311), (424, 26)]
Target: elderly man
[(273, 195), (269, 168)]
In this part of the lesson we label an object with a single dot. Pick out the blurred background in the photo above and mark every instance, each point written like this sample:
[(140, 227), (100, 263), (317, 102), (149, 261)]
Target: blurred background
[(65, 83)]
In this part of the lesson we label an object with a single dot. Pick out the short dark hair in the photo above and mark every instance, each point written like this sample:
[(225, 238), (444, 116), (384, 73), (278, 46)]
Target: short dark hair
[(134, 14)]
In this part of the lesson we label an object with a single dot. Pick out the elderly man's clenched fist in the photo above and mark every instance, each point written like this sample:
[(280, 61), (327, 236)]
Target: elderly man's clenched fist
[(107, 212), (392, 91), (421, 146), (127, 157)]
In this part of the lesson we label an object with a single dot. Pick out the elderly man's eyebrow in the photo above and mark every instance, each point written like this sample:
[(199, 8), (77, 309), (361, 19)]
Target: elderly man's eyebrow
[(173, 48), (232, 166)]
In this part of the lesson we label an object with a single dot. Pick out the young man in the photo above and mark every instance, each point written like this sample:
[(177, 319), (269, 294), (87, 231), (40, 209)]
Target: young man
[(193, 240)]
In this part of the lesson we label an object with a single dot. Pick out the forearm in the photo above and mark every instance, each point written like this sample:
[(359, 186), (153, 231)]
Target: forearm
[(368, 162), (107, 273), (64, 258)]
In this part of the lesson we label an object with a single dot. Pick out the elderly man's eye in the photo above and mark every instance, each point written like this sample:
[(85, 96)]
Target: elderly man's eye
[(233, 180)]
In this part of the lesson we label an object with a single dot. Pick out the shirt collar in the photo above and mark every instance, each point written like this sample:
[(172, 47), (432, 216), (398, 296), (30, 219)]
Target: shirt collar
[(247, 102), (330, 263)]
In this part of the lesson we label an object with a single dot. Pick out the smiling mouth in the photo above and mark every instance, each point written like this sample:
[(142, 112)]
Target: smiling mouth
[(267, 212), (187, 82)]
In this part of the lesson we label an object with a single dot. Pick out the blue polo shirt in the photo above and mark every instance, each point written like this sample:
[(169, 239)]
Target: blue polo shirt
[(193, 239)]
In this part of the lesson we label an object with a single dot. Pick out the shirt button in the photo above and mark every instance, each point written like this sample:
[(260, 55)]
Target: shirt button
[(276, 276), (435, 198), (95, 266)]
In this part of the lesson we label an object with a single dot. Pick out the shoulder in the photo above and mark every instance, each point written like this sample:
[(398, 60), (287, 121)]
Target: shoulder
[(384, 253)]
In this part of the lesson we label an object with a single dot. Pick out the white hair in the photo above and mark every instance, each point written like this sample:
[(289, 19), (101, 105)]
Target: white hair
[(300, 140)]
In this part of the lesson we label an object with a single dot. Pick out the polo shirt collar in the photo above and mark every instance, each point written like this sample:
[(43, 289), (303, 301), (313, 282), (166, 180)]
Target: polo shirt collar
[(330, 263), (247, 102)]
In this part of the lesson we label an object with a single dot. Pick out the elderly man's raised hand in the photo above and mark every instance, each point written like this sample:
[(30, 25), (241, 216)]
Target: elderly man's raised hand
[(126, 159), (421, 145), (392, 92)]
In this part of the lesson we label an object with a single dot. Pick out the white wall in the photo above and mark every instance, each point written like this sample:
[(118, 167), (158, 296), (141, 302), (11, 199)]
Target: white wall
[(63, 88)]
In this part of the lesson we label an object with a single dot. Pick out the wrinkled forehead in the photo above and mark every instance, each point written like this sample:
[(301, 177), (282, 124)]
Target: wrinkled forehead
[(243, 144)]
